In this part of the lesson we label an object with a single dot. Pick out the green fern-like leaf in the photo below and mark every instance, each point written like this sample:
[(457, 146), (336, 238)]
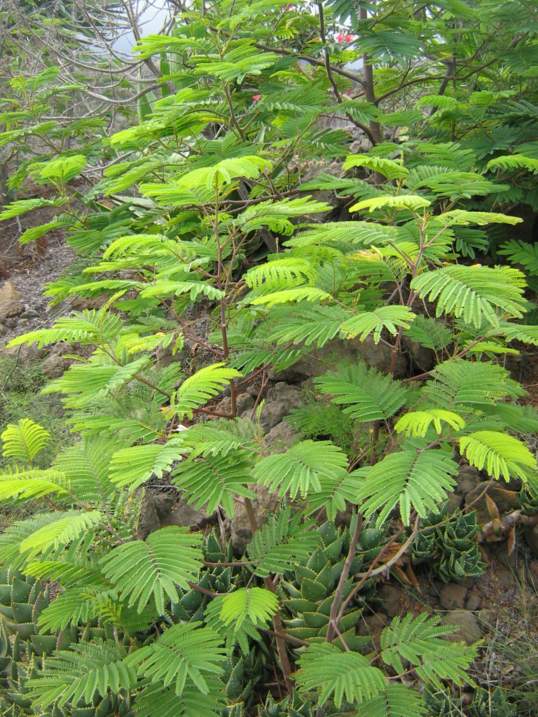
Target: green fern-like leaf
[(417, 423), (499, 454), (32, 484), (311, 325), (387, 167), (255, 604), (419, 641), (183, 654), (366, 394), (520, 252), (80, 674), (287, 296), (133, 466), (24, 440), (336, 490), (142, 570), (512, 162), (281, 543), (400, 202), (395, 701), (368, 323), (62, 531), (459, 384), (299, 470), (215, 481), (280, 274), (474, 293), (410, 479), (202, 386), (340, 676)]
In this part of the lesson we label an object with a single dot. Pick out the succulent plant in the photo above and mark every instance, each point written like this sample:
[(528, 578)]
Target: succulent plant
[(309, 593), (448, 542)]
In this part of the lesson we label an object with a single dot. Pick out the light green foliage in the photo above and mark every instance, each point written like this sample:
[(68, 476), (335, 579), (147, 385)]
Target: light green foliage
[(418, 641), (366, 394), (301, 469), (24, 440), (78, 675), (342, 676), (499, 454), (254, 604), (475, 293), (203, 385), (148, 569), (183, 655), (317, 190), (417, 423)]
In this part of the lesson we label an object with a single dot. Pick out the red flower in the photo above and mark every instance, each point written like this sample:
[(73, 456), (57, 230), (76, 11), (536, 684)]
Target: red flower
[(256, 98), (344, 37)]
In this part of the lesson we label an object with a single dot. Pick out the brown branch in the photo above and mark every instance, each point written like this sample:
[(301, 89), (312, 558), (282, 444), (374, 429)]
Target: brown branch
[(335, 613)]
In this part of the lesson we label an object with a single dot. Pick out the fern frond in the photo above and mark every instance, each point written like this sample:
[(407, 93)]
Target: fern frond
[(24, 440), (465, 217), (287, 296), (419, 641), (387, 167), (395, 701), (347, 233), (28, 485), (255, 604), (284, 273), (85, 467), (183, 654), (281, 543), (300, 469), (518, 332), (215, 481), (311, 325), (499, 453), (411, 479), (15, 534), (75, 606), (373, 322), (520, 252), (68, 573), (142, 570), (201, 387), (366, 394), (473, 292), (168, 287), (407, 202), (429, 333), (154, 698), (336, 490), (130, 467), (469, 384), (80, 674), (511, 162), (417, 423), (340, 676), (84, 327), (62, 531)]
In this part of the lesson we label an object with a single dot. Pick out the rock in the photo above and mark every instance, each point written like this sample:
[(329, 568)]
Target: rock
[(281, 437), (453, 502), (3, 330), (24, 355), (421, 357), (452, 596), (468, 626), (473, 601), (468, 479), (533, 569), (244, 402), (264, 504), (487, 618), (186, 516), (54, 365), (281, 399), (10, 301), (372, 626), (531, 537), (394, 600), (339, 352)]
